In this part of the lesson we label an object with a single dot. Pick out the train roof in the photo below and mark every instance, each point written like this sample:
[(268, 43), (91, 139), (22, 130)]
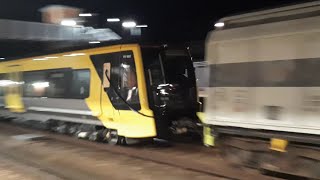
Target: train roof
[(69, 49), (285, 13), (102, 44)]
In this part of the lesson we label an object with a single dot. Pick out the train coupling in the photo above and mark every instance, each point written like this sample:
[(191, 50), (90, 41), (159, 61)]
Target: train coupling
[(183, 126)]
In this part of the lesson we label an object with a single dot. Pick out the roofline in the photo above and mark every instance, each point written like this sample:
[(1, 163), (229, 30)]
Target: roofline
[(94, 46), (58, 6), (71, 49), (289, 9)]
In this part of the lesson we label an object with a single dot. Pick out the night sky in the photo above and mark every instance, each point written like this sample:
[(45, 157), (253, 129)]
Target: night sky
[(167, 19)]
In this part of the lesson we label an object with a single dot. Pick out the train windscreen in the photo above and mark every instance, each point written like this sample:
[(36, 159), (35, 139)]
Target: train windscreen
[(170, 78), (168, 67)]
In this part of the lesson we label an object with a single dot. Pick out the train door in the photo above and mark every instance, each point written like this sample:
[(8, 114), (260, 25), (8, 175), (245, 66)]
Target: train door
[(106, 64), (106, 107), (13, 94), (202, 79), (121, 94), (120, 81)]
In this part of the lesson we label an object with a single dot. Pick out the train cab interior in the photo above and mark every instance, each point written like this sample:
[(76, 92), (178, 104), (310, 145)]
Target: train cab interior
[(171, 87)]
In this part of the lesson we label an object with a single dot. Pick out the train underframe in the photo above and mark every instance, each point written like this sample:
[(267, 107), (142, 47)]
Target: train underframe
[(91, 132), (167, 127), (285, 155)]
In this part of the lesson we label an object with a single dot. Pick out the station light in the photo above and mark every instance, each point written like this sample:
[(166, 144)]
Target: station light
[(219, 24), (142, 26), (2, 58), (85, 15), (129, 24), (68, 22), (94, 42), (113, 20)]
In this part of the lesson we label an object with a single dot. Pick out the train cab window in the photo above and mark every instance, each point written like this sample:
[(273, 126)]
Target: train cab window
[(154, 66), (128, 80), (121, 70), (124, 80), (80, 85), (178, 69)]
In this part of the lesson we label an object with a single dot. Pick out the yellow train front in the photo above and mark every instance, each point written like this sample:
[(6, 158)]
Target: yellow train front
[(124, 91)]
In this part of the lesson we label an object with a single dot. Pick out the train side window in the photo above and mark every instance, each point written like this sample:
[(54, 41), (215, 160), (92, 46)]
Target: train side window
[(2, 84), (35, 84), (80, 86), (202, 75), (59, 83)]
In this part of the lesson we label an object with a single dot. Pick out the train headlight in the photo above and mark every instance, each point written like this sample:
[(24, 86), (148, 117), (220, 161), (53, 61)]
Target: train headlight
[(219, 24), (163, 92)]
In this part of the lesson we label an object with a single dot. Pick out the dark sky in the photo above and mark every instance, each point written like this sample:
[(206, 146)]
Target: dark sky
[(181, 20)]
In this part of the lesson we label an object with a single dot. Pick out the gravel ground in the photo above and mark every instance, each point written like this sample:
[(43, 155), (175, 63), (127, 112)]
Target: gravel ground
[(11, 169), (47, 159)]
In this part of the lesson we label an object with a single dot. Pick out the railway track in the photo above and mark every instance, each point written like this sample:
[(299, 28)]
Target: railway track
[(178, 155), (16, 169)]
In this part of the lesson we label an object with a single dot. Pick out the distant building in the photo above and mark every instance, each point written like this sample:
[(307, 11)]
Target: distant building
[(54, 14)]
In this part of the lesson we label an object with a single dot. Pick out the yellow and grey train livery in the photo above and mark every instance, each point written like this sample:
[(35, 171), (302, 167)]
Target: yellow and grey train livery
[(264, 88), (123, 91)]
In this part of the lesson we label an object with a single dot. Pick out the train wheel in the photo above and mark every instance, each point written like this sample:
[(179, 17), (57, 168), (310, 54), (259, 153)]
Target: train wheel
[(123, 141), (73, 129), (131, 141), (97, 135), (112, 137), (94, 136)]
